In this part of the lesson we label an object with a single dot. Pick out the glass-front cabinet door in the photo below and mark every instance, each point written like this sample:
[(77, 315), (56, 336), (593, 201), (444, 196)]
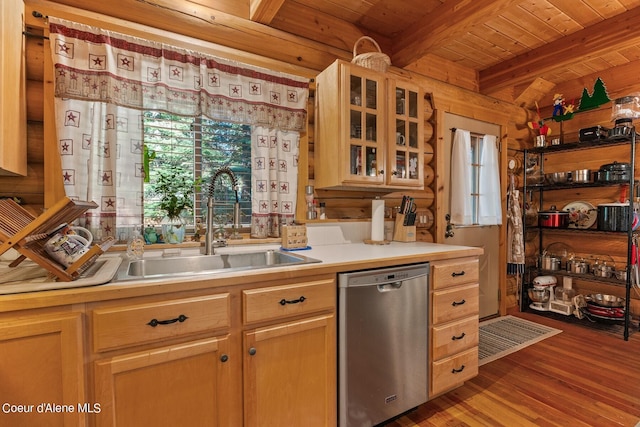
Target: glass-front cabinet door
[(366, 126), (405, 139)]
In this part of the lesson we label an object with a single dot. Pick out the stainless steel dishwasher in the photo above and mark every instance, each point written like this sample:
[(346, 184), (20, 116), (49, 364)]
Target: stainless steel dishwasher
[(382, 343)]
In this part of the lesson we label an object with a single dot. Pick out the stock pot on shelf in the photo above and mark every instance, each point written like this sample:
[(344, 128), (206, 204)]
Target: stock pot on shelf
[(614, 172), (553, 218), (613, 216), (579, 266)]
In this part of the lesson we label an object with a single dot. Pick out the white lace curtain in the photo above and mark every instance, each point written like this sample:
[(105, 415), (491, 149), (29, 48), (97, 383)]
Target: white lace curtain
[(103, 82), (489, 206)]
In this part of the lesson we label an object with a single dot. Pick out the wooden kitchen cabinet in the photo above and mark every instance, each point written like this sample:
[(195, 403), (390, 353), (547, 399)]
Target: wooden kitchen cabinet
[(454, 323), (289, 366), (174, 379), (13, 107), (243, 356), (181, 384), (369, 130), (42, 360)]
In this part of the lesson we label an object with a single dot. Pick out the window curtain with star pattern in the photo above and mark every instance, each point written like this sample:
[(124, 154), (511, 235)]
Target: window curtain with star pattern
[(104, 81), (274, 173)]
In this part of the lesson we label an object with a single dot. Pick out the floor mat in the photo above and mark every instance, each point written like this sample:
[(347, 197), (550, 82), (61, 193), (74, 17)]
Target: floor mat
[(508, 334)]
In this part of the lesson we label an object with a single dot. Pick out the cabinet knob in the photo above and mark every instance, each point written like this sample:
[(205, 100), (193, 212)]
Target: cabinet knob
[(252, 351), (224, 358)]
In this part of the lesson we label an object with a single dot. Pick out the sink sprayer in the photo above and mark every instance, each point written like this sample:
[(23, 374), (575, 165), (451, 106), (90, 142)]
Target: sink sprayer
[(208, 241)]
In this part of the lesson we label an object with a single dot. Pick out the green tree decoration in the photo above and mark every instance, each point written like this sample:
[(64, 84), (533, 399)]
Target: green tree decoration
[(598, 98)]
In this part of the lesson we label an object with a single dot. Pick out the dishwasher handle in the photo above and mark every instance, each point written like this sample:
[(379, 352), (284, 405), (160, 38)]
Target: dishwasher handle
[(388, 287)]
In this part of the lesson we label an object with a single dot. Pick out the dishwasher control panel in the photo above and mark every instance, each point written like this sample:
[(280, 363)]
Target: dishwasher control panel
[(382, 276)]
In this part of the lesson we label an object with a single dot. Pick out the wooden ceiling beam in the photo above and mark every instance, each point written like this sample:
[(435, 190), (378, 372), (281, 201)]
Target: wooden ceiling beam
[(264, 11), (612, 34), (210, 25), (451, 19)]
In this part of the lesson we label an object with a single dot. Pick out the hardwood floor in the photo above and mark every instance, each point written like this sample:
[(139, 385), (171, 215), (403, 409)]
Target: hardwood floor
[(580, 377)]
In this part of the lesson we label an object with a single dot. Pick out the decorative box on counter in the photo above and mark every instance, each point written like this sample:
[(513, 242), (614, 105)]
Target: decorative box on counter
[(294, 236)]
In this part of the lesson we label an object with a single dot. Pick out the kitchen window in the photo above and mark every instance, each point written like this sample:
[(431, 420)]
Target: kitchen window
[(475, 180), (199, 146), (108, 84)]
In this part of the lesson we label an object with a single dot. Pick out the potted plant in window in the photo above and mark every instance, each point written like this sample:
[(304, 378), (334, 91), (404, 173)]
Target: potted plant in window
[(175, 188)]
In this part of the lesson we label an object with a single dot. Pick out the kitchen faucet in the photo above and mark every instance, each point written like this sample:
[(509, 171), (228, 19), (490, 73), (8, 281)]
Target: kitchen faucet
[(208, 241)]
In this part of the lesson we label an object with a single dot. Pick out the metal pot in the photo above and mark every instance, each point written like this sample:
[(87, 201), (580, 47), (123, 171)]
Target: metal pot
[(622, 130), (553, 218), (602, 270), (621, 274), (614, 172), (581, 176), (613, 216), (548, 262), (577, 266)]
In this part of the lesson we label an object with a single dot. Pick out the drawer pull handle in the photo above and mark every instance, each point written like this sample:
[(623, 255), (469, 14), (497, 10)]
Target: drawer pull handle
[(224, 358), (459, 337), (253, 351), (454, 274), (457, 371), (456, 303), (155, 322), (293, 301)]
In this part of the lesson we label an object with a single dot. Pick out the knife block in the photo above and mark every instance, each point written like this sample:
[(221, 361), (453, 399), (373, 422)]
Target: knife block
[(403, 233)]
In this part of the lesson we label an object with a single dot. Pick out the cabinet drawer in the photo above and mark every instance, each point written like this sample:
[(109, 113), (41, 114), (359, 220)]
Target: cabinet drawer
[(127, 325), (453, 371), (288, 300), (454, 303), (455, 272), (454, 337)]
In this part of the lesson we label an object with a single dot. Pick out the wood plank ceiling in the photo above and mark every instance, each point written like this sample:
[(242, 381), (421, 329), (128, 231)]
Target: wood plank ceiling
[(511, 48)]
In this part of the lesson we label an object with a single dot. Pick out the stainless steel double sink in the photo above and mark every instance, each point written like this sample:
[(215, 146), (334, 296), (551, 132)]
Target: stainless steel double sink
[(158, 267)]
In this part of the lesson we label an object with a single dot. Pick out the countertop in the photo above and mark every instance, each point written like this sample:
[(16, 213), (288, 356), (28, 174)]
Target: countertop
[(335, 258)]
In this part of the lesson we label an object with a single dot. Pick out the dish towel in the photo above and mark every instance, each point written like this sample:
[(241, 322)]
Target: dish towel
[(461, 208), (489, 203)]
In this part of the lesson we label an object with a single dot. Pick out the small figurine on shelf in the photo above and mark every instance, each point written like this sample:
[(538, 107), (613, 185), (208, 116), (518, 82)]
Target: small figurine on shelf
[(558, 104), (541, 128), (150, 235)]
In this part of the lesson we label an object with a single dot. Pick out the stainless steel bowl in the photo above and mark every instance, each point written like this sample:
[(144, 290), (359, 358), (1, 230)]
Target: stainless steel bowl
[(539, 295), (605, 300), (557, 177)]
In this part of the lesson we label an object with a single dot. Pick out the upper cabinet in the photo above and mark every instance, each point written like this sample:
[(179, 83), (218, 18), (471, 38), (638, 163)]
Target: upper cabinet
[(13, 110), (369, 130)]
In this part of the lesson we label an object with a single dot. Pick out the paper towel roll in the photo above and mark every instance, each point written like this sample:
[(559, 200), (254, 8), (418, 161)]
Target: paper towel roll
[(377, 220)]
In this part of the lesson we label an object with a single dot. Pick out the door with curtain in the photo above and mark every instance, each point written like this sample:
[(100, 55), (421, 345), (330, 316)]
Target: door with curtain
[(485, 236)]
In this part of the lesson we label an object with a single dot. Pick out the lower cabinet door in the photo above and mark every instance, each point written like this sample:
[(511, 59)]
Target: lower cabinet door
[(178, 385), (41, 371), (290, 374)]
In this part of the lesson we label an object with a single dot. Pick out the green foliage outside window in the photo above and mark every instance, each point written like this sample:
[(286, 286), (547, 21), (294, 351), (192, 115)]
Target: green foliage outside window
[(187, 152)]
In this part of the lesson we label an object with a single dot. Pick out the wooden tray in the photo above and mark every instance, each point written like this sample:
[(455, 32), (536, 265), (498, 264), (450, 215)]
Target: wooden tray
[(27, 234)]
